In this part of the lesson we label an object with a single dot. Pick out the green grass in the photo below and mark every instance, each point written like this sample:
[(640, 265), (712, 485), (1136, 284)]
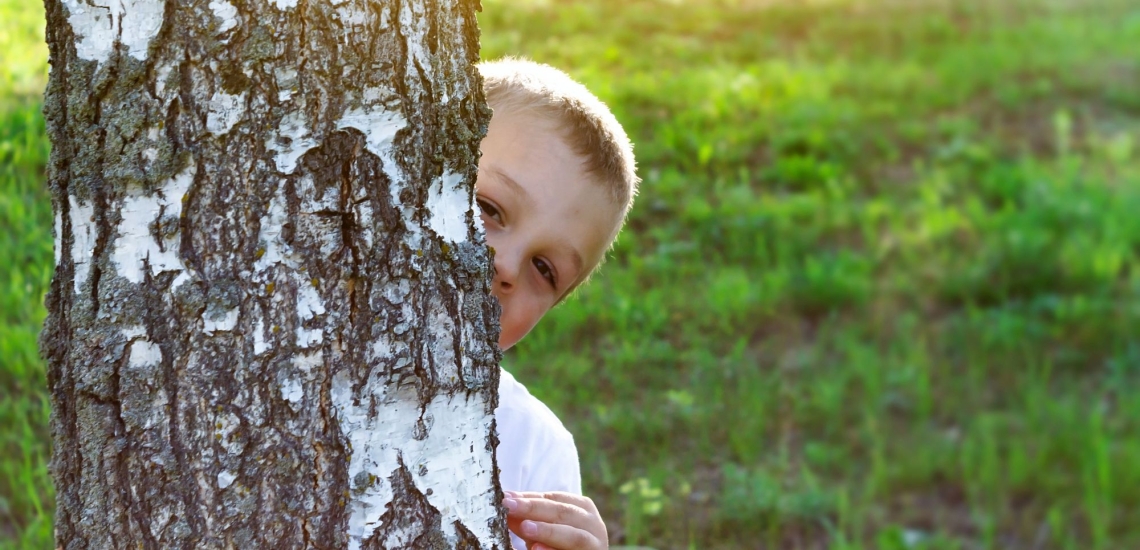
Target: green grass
[(25, 268), (881, 288)]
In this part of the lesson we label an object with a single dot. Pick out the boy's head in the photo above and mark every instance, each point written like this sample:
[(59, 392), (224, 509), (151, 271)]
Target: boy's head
[(556, 180)]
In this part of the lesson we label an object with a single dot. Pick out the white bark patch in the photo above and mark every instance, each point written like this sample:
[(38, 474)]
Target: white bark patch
[(160, 76), (416, 27), (292, 391), (353, 18), (364, 212), (449, 204), (284, 4), (82, 238), (226, 323), (273, 250), (225, 479), (451, 466), (292, 387), (134, 23), (226, 12), (309, 338), (133, 331), (151, 153), (142, 358), (95, 26), (379, 127), (293, 139), (308, 300), (180, 280), (225, 111), (144, 353), (140, 23), (309, 305), (57, 234), (260, 346), (136, 242), (306, 362)]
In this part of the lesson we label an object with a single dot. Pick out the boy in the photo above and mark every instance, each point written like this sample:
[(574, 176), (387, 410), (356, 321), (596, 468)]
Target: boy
[(556, 180)]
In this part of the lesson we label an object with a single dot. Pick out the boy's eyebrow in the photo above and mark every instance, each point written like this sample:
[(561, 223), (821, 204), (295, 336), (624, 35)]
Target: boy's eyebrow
[(575, 258), (513, 185), (577, 263)]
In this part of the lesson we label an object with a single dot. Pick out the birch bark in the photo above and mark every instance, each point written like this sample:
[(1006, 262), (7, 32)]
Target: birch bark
[(270, 323)]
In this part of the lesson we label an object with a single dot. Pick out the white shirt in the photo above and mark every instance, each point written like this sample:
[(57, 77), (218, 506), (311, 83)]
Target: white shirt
[(536, 452)]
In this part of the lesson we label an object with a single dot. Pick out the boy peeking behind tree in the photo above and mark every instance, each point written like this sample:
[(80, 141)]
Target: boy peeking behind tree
[(556, 180)]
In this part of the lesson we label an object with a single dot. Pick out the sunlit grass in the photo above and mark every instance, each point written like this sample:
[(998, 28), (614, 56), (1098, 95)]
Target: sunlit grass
[(23, 53), (881, 283)]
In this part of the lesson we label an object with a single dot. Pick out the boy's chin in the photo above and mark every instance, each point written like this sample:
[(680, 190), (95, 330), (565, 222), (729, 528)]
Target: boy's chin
[(508, 340), (515, 329)]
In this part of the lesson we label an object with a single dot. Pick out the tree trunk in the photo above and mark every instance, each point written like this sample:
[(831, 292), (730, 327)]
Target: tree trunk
[(270, 323)]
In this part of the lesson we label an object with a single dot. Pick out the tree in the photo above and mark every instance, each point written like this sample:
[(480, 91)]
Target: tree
[(270, 323)]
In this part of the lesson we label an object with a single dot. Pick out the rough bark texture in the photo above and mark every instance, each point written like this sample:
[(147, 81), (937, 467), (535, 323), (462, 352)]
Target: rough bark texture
[(270, 323)]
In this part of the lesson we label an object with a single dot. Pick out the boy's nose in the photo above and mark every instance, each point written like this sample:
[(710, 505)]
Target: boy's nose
[(504, 279)]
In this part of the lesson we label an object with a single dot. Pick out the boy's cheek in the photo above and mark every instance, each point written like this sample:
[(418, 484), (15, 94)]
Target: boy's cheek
[(507, 331), (509, 336), (516, 320)]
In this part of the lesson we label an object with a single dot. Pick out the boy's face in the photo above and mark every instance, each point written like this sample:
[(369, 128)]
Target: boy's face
[(547, 220)]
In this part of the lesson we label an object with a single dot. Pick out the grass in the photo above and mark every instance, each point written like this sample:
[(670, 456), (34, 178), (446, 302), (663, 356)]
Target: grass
[(25, 268), (881, 288)]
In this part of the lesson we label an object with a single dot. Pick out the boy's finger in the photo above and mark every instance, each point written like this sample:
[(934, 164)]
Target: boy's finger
[(515, 526), (549, 511), (568, 498), (558, 536)]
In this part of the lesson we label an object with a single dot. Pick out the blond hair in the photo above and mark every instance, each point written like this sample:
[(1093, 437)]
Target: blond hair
[(514, 85)]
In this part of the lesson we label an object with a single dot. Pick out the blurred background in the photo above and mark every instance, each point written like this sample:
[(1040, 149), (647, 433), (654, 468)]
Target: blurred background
[(880, 290)]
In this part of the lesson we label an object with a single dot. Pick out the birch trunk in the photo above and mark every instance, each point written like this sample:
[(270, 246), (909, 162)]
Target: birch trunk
[(270, 323)]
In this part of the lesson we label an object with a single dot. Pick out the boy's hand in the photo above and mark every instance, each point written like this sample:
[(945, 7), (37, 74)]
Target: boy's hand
[(556, 521)]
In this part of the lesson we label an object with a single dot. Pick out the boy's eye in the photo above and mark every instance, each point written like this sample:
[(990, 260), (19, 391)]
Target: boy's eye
[(489, 209), (547, 271)]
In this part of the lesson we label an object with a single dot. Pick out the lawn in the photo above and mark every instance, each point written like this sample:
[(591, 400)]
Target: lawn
[(881, 288)]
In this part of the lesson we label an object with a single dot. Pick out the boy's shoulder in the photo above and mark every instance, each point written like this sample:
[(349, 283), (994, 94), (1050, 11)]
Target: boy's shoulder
[(518, 407), (536, 452)]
